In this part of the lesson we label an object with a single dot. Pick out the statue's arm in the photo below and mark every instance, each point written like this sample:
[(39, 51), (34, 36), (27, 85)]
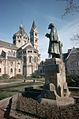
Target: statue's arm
[(47, 35)]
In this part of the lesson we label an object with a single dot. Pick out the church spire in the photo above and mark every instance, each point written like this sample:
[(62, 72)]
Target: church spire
[(21, 29), (34, 35), (21, 26), (33, 25)]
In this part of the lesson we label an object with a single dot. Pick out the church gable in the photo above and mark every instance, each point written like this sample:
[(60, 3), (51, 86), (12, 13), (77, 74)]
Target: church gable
[(20, 38), (72, 53), (28, 45)]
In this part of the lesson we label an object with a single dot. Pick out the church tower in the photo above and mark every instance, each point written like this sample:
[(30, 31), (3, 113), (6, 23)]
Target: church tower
[(34, 36), (20, 38)]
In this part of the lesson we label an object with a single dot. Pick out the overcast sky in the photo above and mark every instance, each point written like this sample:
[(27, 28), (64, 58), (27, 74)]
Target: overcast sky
[(16, 12)]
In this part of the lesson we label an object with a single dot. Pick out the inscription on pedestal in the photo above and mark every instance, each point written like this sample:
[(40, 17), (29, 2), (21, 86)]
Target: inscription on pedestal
[(51, 69)]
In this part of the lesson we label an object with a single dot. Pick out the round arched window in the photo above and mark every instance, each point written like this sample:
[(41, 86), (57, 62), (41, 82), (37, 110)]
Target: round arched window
[(11, 70)]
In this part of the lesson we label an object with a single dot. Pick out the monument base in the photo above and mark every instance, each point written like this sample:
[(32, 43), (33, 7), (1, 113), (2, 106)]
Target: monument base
[(59, 102), (24, 107), (45, 102), (55, 76), (38, 93), (65, 101)]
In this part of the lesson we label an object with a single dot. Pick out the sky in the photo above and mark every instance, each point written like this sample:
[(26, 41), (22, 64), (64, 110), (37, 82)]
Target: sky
[(16, 12)]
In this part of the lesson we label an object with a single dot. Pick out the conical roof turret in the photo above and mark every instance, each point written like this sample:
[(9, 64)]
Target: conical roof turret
[(33, 25)]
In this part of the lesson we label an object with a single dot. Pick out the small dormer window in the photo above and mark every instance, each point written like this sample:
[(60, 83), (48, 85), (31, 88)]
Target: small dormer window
[(25, 37), (35, 34), (25, 41), (30, 59), (24, 59), (0, 61), (0, 70), (9, 53), (11, 63), (18, 63), (36, 40), (20, 36), (19, 70), (11, 70), (14, 53), (35, 52), (17, 36), (19, 41), (30, 51)]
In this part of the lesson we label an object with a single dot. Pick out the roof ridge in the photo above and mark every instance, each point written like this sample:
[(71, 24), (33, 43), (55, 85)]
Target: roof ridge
[(7, 44)]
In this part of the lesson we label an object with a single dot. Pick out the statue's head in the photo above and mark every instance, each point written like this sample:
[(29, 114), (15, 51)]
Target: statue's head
[(51, 25)]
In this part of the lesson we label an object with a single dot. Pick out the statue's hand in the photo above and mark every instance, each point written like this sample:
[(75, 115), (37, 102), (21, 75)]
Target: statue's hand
[(47, 35)]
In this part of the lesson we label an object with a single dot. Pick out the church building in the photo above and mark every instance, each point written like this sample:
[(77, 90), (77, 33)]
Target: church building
[(21, 57)]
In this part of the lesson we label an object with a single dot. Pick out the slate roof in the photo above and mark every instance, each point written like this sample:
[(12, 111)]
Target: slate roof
[(7, 45), (70, 51), (33, 25), (21, 31)]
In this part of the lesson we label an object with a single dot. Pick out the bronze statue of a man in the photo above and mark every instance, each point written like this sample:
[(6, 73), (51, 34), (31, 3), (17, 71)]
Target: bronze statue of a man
[(54, 44)]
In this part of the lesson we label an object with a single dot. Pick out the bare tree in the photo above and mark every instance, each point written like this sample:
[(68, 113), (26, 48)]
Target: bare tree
[(75, 38), (71, 7)]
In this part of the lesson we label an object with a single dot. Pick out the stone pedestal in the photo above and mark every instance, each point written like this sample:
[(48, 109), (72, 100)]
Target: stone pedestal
[(55, 78)]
